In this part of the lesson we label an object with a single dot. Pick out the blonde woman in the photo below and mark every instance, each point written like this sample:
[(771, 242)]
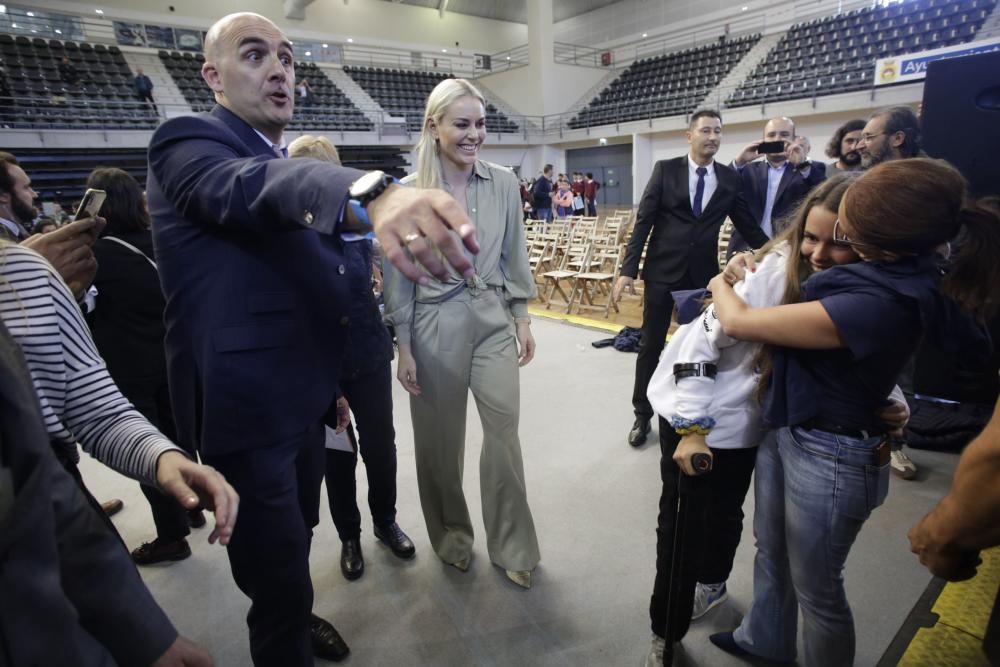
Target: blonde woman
[(463, 334)]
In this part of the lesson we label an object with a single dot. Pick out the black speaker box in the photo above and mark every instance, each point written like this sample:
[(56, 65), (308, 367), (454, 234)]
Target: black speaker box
[(961, 117)]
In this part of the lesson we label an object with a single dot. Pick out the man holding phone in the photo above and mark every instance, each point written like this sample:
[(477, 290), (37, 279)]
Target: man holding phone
[(67, 249), (773, 186)]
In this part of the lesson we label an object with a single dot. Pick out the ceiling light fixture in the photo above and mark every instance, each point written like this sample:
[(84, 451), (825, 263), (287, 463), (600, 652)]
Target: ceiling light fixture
[(444, 50), (645, 34), (309, 53), (30, 13), (326, 46), (99, 11), (744, 8), (350, 40)]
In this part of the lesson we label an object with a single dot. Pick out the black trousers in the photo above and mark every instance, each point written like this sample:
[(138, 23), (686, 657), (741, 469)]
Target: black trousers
[(715, 522), (279, 491), (153, 403), (656, 315), (370, 396)]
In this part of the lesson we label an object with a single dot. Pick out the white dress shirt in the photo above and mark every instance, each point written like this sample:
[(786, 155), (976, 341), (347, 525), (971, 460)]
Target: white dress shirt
[(711, 182), (774, 175)]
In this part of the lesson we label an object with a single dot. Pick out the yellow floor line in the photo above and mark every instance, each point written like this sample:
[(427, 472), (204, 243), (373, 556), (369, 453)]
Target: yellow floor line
[(603, 325), (963, 610)]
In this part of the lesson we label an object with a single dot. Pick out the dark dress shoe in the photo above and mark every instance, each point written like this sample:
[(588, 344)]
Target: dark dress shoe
[(393, 537), (112, 507), (159, 551), (352, 562), (640, 429), (326, 641), (196, 518)]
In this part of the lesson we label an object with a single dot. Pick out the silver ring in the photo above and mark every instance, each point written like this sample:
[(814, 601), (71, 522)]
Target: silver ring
[(410, 238)]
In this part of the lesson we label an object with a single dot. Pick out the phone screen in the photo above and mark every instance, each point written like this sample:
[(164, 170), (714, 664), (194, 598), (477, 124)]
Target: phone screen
[(91, 203)]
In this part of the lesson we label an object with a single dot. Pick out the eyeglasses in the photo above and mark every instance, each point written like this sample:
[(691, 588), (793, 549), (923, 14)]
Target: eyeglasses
[(868, 137), (841, 238)]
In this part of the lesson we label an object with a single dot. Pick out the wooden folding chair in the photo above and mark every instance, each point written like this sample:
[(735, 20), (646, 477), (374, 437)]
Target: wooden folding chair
[(592, 284), (578, 255)]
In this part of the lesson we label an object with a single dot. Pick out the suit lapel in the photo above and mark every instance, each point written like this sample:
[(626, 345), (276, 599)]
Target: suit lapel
[(787, 176), (682, 187), (246, 133)]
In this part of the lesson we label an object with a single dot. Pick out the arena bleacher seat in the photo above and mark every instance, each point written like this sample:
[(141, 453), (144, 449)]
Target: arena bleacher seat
[(35, 95), (404, 93), (837, 54), (665, 85), (331, 110)]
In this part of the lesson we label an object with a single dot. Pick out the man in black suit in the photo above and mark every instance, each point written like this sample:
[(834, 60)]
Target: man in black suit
[(773, 186), (684, 204), (251, 259)]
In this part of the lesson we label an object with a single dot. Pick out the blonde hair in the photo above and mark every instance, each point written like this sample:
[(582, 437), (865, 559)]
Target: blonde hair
[(441, 98), (318, 148)]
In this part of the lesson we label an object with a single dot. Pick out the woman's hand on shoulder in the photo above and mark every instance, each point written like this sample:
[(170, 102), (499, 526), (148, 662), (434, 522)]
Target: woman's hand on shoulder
[(737, 267)]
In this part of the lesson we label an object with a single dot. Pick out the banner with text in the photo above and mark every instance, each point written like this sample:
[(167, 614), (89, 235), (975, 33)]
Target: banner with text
[(913, 66)]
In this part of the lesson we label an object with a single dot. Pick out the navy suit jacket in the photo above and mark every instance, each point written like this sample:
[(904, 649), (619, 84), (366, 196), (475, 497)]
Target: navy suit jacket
[(792, 189), (682, 243), (257, 301)]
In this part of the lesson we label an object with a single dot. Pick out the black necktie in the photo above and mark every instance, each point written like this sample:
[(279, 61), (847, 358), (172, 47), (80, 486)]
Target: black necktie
[(699, 191)]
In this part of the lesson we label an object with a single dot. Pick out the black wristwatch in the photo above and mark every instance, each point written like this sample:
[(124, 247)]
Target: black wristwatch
[(370, 186)]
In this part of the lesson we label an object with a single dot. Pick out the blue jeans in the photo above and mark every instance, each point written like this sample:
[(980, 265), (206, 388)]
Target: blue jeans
[(814, 490), (544, 213)]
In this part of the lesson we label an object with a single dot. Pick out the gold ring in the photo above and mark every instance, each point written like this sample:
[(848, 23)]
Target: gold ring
[(410, 238)]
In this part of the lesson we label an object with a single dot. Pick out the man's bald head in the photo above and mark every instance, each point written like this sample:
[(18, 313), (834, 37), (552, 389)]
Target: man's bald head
[(781, 128), (222, 29), (250, 67)]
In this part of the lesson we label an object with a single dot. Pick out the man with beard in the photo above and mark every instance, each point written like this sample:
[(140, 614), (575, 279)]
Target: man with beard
[(684, 204), (67, 249), (890, 134), (843, 147)]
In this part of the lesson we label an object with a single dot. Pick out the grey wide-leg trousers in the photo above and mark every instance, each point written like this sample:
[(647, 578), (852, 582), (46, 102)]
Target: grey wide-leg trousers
[(468, 342)]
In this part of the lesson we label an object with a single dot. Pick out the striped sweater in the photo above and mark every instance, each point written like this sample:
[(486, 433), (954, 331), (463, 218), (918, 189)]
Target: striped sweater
[(80, 402)]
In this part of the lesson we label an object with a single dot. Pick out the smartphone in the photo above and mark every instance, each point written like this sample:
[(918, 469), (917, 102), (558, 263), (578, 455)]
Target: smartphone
[(771, 147), (91, 203)]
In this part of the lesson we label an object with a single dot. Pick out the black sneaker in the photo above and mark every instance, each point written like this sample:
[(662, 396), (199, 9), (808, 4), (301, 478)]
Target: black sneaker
[(393, 537), (156, 551)]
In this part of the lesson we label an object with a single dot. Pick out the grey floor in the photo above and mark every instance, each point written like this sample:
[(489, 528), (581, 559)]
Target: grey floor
[(594, 500)]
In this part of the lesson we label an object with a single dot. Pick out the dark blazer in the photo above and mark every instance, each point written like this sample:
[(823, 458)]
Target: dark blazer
[(257, 300), (680, 242), (127, 323), (71, 593), (791, 190)]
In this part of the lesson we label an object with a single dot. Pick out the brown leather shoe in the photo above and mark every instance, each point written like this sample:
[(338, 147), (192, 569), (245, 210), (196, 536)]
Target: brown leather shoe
[(112, 507)]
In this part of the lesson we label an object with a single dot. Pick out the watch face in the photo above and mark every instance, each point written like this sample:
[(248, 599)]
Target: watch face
[(366, 183)]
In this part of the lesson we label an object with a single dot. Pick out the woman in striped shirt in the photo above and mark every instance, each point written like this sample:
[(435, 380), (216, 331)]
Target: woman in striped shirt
[(81, 403)]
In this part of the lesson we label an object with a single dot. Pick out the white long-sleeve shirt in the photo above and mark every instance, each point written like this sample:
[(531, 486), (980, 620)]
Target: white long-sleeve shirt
[(79, 400), (728, 399)]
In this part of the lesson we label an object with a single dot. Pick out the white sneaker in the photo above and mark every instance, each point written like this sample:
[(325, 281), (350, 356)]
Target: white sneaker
[(706, 597), (901, 465), (655, 657)]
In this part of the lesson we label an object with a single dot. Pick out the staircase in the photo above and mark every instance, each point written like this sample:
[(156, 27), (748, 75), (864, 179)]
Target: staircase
[(170, 101), (362, 100), (717, 96), (594, 91), (991, 26), (505, 108)]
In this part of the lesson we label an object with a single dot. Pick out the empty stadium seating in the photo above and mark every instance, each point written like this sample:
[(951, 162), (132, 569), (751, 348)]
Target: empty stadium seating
[(331, 109), (405, 92), (673, 83), (34, 94), (837, 54)]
